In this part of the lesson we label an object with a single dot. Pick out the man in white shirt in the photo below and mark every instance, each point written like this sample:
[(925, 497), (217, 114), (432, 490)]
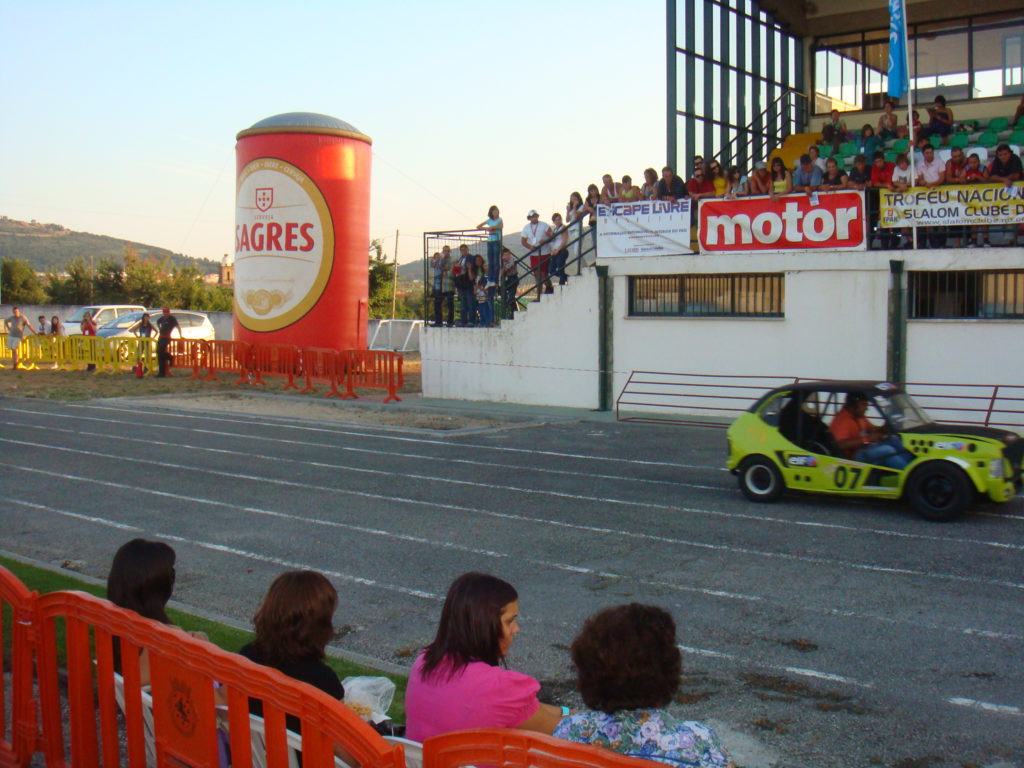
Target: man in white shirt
[(931, 173), (535, 238)]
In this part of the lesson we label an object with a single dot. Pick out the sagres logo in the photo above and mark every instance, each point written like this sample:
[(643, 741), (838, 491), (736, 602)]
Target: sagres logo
[(264, 198)]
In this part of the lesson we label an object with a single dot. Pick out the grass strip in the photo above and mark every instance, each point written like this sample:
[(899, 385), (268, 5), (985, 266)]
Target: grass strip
[(229, 638)]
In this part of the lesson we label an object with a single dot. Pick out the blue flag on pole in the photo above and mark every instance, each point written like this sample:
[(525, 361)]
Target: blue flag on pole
[(898, 74)]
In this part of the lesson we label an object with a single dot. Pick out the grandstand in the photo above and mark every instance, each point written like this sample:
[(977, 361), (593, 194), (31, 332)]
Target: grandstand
[(747, 81)]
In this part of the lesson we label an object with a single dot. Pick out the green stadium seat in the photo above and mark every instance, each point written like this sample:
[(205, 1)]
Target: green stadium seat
[(959, 140), (988, 139), (997, 124), (825, 150), (1017, 137), (1020, 122), (890, 156), (936, 140), (901, 145), (848, 149)]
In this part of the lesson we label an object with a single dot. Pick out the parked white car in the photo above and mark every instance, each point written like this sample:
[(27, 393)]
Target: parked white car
[(193, 325), (101, 314)]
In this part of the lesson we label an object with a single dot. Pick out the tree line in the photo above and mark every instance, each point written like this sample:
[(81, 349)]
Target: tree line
[(148, 282), (152, 282)]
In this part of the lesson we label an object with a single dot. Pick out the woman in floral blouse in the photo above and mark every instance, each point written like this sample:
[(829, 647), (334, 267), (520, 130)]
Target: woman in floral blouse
[(628, 666)]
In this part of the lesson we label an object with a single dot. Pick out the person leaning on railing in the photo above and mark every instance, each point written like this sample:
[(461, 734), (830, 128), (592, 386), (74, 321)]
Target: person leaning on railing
[(509, 281), (17, 327), (441, 288)]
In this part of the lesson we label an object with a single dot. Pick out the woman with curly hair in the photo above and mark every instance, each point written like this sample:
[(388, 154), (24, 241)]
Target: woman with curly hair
[(628, 666), (461, 681), (293, 627)]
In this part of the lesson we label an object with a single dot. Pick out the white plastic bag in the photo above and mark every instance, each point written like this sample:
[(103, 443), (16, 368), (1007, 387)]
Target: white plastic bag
[(372, 695)]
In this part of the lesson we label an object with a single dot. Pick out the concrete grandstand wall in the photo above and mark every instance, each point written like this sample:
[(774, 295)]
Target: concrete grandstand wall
[(547, 355)]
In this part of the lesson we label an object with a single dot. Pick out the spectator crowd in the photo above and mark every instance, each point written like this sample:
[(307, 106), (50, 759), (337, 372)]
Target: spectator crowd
[(626, 657), (874, 158)]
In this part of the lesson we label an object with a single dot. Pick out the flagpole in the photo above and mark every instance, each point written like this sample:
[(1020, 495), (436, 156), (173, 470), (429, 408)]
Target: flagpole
[(910, 115)]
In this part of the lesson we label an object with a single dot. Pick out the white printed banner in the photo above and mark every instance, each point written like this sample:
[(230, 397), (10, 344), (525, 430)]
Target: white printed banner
[(644, 228), (953, 205)]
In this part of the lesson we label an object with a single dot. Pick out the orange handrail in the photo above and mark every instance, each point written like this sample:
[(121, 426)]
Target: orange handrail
[(510, 748)]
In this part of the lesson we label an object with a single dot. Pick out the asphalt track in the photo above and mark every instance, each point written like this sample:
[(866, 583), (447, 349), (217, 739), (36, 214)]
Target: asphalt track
[(815, 631)]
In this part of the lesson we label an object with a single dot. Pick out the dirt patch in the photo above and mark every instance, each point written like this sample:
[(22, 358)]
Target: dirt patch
[(318, 409)]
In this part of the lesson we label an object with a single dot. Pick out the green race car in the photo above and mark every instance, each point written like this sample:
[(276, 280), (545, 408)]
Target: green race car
[(784, 441)]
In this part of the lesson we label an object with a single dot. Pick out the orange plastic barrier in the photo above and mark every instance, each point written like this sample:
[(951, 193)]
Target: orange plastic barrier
[(227, 357), (197, 703), (274, 360), (18, 716), (188, 353), (321, 363), (378, 369), (508, 748)]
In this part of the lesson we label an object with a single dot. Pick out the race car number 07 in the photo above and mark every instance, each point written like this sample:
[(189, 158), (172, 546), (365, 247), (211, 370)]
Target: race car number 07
[(841, 476)]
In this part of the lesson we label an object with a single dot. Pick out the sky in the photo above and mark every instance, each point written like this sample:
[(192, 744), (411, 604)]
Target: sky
[(119, 118)]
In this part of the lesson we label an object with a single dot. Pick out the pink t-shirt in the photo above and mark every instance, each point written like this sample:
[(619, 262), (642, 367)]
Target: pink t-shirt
[(480, 696)]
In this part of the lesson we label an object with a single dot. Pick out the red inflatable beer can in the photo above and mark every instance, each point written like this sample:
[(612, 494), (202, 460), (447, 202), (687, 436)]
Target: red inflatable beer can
[(302, 230)]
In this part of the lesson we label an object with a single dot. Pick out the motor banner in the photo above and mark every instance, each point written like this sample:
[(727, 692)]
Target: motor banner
[(643, 228), (826, 221), (953, 205)]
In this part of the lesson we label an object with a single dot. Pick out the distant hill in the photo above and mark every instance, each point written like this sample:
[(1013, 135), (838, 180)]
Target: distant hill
[(51, 247), (411, 271)]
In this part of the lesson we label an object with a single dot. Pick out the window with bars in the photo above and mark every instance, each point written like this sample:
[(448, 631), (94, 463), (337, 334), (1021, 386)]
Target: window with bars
[(735, 295), (982, 294)]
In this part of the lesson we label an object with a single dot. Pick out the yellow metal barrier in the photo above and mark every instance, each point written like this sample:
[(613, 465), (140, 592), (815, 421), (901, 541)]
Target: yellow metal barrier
[(84, 350), (124, 354), (5, 353), (39, 351)]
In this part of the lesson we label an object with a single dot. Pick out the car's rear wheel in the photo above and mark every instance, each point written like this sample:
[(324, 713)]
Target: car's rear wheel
[(760, 480), (939, 491)]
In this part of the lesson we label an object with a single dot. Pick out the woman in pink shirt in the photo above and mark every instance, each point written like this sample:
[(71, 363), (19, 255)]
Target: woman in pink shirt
[(460, 681)]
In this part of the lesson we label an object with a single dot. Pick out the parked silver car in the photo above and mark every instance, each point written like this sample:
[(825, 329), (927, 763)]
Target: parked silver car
[(102, 314), (194, 325)]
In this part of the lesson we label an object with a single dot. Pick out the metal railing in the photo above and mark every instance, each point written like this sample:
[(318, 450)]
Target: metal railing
[(786, 115), (713, 400), (512, 294)]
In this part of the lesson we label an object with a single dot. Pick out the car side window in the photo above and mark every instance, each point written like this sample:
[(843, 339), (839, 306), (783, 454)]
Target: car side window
[(770, 413), (104, 317)]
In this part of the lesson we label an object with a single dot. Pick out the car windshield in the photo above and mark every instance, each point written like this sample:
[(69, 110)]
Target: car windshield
[(80, 314), (124, 321), (901, 411)]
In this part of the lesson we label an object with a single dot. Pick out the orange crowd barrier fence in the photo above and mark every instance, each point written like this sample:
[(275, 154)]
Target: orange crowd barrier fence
[(275, 360), (227, 357), (321, 363), (18, 715), (183, 701), (372, 368), (187, 353), (508, 748)]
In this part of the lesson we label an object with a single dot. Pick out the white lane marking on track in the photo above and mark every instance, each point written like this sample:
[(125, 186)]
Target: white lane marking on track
[(833, 678), (378, 436), (984, 706), (666, 507), (684, 542), (232, 551), (369, 451), (520, 518)]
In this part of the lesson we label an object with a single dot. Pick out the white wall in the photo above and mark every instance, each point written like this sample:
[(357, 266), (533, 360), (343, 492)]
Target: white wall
[(966, 351), (547, 355)]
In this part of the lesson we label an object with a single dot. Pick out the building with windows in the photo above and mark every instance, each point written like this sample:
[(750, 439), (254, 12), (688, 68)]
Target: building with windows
[(746, 81)]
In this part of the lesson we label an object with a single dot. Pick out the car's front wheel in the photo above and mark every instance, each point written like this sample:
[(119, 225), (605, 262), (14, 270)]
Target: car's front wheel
[(760, 480), (939, 491)]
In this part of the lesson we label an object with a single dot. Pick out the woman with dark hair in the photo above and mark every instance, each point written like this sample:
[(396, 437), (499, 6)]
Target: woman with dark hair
[(940, 121), (293, 626), (649, 189), (782, 179), (888, 121), (460, 680), (141, 579), (628, 665)]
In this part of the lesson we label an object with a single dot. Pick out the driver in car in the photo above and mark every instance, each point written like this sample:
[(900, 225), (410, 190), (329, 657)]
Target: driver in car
[(860, 440)]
